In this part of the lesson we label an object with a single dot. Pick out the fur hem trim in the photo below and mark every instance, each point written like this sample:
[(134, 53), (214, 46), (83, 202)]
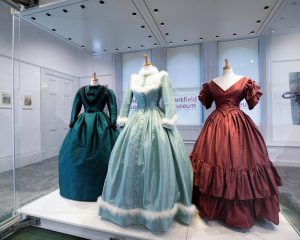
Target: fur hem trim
[(151, 215), (169, 121), (122, 120)]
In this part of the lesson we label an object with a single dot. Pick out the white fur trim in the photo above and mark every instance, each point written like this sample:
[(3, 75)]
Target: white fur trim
[(151, 82), (147, 213), (122, 120), (169, 121), (148, 70)]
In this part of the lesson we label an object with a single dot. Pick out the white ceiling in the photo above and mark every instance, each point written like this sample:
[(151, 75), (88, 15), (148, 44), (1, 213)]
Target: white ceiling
[(287, 19), (103, 28)]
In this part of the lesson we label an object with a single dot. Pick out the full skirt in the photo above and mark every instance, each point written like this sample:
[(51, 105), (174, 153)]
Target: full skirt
[(235, 181), (84, 156), (149, 179)]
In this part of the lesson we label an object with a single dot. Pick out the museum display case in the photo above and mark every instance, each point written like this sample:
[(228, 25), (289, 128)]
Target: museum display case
[(49, 51)]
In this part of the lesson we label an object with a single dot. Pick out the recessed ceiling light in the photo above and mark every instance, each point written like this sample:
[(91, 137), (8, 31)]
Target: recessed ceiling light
[(266, 7), (258, 21), (167, 34), (252, 32), (105, 50), (292, 27), (217, 36), (251, 61), (69, 39), (117, 49), (170, 42), (293, 3), (142, 26), (82, 6), (201, 38), (185, 40), (101, 2), (33, 18), (281, 18), (53, 29), (149, 36), (272, 30), (162, 24), (48, 14), (129, 47), (82, 46), (234, 34), (155, 10), (94, 52), (155, 44), (142, 46), (134, 14), (65, 10)]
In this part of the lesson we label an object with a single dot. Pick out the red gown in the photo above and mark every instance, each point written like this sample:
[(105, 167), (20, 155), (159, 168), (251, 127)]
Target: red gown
[(234, 179)]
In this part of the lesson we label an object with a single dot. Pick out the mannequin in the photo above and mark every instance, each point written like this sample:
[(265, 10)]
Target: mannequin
[(94, 80), (228, 78)]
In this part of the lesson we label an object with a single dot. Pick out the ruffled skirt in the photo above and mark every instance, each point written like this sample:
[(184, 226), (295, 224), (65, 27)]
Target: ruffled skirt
[(234, 180)]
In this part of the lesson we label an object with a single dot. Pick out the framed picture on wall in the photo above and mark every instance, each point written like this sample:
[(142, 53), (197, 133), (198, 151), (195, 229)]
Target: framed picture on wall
[(27, 101), (5, 99)]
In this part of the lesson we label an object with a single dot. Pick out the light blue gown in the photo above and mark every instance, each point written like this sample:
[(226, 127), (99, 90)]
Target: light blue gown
[(149, 178)]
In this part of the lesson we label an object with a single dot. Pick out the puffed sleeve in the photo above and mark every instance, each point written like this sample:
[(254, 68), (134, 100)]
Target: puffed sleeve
[(205, 96), (125, 108), (252, 93), (112, 107), (77, 104), (169, 102)]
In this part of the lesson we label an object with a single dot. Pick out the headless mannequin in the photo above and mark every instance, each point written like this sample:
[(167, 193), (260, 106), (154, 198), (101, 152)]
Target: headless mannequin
[(228, 77), (94, 80)]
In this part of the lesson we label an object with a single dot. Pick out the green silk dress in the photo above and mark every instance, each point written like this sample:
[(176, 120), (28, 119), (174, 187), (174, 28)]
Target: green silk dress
[(85, 152)]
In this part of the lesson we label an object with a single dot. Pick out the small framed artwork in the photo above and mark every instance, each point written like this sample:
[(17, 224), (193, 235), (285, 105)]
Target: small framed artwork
[(5, 99), (27, 101)]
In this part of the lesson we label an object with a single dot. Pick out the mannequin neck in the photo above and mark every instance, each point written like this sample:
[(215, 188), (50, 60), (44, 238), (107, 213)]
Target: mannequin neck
[(94, 82), (228, 72)]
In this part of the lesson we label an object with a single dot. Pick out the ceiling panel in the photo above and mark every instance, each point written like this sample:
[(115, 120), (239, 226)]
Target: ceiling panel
[(127, 25), (287, 19)]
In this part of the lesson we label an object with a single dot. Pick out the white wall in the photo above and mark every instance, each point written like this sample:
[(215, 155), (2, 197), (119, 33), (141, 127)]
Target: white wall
[(38, 51), (282, 136)]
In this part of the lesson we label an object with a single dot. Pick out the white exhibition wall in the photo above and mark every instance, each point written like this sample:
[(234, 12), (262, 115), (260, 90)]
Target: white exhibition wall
[(243, 57), (40, 52)]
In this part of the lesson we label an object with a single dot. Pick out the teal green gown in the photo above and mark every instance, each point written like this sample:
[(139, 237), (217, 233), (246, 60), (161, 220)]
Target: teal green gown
[(149, 178), (85, 152)]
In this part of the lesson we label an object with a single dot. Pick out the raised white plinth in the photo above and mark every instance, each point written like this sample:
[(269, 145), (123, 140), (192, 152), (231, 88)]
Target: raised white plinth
[(81, 219)]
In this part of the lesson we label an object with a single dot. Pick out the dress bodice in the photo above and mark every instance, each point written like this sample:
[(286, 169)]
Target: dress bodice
[(149, 88), (147, 100), (94, 99), (230, 98)]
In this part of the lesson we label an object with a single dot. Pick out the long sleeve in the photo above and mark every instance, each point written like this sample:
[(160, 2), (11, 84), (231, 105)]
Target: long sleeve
[(124, 111), (77, 103), (112, 107), (169, 102)]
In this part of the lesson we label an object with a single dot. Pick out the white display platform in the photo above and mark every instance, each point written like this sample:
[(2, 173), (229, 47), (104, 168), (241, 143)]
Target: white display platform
[(81, 219)]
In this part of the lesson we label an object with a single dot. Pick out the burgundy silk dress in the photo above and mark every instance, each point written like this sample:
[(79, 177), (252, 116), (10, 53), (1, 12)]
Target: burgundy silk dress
[(234, 179)]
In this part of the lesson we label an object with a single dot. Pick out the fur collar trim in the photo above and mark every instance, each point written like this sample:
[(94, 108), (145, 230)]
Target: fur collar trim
[(148, 70), (145, 83)]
